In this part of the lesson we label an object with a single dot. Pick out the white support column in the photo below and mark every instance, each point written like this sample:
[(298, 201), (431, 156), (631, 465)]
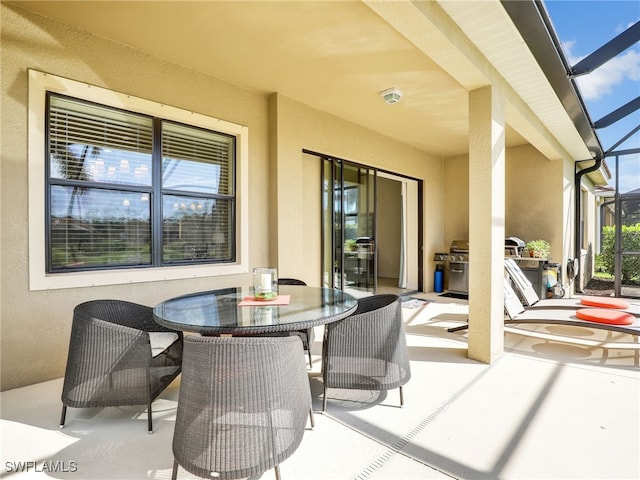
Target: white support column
[(486, 223)]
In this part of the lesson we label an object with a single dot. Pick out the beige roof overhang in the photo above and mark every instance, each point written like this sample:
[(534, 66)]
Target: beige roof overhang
[(550, 116)]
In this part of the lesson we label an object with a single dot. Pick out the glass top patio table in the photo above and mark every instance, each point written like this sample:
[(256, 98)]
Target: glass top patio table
[(216, 312)]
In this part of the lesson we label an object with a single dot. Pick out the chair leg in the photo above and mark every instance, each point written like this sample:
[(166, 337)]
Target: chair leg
[(308, 345), (63, 416), (174, 474), (324, 399), (311, 419), (149, 419), (401, 397), (277, 470)]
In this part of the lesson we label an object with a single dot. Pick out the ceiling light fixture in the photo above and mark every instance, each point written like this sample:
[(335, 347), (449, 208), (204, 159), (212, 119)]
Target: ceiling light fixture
[(391, 96)]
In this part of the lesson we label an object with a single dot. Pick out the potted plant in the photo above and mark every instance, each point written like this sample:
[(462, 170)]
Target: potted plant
[(350, 245), (539, 248)]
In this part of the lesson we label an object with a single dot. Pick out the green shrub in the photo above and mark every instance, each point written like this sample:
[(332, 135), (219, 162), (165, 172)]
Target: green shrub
[(630, 243)]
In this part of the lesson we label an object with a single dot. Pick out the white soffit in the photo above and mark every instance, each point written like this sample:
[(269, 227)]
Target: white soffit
[(489, 27)]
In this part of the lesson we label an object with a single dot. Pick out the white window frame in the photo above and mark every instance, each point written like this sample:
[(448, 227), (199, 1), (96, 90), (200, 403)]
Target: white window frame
[(39, 84)]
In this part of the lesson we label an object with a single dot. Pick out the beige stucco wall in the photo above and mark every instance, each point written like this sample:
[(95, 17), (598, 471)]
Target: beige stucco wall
[(456, 200), (389, 227), (534, 191), (591, 233), (536, 205)]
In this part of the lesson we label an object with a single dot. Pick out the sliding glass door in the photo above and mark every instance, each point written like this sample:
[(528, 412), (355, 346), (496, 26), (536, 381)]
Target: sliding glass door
[(348, 218)]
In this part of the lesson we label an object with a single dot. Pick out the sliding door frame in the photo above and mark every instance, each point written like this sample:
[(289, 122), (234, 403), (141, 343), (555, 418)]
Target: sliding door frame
[(376, 171)]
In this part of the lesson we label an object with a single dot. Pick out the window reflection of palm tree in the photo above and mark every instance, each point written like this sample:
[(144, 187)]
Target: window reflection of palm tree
[(73, 167)]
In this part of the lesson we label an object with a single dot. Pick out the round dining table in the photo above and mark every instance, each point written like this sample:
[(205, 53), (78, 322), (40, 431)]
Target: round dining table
[(233, 311)]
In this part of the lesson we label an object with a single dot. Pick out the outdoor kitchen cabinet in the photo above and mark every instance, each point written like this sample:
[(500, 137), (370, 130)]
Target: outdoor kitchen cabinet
[(533, 269)]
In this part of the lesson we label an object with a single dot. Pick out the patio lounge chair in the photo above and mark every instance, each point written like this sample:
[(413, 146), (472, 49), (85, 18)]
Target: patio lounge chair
[(528, 295), (118, 355), (368, 349), (516, 314), (243, 405)]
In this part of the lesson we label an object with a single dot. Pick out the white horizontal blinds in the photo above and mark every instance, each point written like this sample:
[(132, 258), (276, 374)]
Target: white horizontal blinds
[(98, 144), (93, 223), (196, 229), (197, 183), (196, 160)]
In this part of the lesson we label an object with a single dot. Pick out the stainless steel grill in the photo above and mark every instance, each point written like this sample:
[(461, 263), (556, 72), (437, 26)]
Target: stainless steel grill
[(457, 262), (456, 266), (459, 251), (513, 247)]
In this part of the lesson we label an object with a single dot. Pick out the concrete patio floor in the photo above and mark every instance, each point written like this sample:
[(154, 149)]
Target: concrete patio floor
[(543, 410)]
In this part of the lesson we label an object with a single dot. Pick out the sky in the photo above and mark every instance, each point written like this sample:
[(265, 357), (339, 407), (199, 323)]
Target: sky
[(583, 26)]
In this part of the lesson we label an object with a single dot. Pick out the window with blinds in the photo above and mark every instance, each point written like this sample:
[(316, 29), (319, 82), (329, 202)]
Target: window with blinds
[(126, 189)]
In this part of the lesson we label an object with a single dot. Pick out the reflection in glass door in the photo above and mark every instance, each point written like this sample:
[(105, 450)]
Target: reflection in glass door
[(348, 217)]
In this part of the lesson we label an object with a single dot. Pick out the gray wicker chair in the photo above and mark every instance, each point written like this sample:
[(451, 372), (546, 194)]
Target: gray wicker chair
[(368, 349), (118, 355), (242, 407), (307, 336)]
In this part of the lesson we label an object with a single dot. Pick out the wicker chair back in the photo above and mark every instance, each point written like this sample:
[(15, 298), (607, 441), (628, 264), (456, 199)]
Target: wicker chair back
[(243, 405), (368, 349), (110, 360)]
